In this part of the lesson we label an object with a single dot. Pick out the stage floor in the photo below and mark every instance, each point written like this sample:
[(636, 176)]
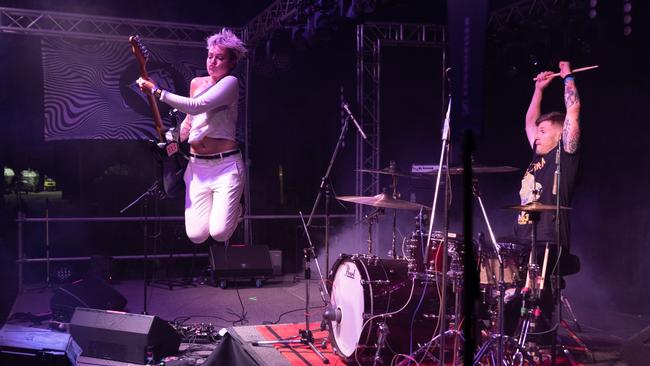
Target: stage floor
[(282, 301)]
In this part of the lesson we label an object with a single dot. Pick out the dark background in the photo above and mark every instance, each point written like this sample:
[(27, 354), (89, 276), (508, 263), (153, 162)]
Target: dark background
[(295, 92)]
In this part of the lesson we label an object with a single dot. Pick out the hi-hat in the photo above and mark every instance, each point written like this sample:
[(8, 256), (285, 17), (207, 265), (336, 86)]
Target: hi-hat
[(536, 207), (383, 200)]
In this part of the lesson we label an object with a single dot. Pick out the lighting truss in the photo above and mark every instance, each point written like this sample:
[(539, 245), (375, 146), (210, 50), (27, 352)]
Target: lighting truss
[(49, 23), (370, 38)]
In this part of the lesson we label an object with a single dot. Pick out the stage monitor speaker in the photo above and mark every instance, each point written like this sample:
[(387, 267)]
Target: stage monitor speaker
[(30, 346), (240, 261), (125, 337), (88, 293), (636, 350)]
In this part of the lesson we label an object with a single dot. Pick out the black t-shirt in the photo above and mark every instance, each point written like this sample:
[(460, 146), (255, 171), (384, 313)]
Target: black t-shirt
[(541, 174)]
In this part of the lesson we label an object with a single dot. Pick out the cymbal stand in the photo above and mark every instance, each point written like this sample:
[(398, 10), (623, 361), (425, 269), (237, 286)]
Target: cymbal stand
[(531, 292), (393, 253), (306, 336), (497, 337), (371, 218)]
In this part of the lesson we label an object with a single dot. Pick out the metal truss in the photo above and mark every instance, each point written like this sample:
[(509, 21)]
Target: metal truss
[(270, 18), (49, 23), (522, 11), (370, 38)]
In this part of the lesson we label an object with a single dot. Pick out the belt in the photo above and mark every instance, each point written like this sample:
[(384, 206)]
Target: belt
[(217, 155)]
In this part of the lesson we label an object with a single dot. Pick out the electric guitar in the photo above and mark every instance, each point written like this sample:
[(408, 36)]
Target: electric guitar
[(172, 162)]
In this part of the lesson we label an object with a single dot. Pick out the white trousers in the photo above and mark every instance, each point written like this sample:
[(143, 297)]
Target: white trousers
[(212, 194)]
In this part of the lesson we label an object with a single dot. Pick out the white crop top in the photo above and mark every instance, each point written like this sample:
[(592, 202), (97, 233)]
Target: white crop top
[(214, 112)]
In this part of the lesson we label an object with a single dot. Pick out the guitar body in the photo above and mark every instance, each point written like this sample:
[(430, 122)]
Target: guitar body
[(172, 160), (172, 169)]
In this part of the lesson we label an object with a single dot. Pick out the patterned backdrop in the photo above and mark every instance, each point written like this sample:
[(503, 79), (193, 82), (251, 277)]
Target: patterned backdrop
[(90, 90)]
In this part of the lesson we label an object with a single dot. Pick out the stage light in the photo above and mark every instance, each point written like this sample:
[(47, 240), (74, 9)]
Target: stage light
[(627, 17), (593, 12)]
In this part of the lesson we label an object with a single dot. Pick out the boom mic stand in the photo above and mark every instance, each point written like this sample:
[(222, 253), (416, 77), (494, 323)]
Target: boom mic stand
[(306, 336), (442, 166), (325, 180), (155, 191)]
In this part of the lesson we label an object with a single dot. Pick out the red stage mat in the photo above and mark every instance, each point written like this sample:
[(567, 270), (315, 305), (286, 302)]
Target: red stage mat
[(302, 355)]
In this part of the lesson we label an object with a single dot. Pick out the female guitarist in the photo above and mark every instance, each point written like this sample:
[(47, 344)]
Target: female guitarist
[(214, 177)]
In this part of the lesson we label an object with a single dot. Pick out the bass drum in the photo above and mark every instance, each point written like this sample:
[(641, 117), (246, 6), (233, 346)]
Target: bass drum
[(363, 287)]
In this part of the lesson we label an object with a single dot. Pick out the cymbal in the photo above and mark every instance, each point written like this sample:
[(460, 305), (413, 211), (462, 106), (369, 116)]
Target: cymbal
[(536, 207), (383, 200), (476, 169), (389, 171)]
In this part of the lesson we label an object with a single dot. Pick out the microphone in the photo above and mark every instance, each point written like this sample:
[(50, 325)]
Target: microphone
[(347, 110), (331, 314)]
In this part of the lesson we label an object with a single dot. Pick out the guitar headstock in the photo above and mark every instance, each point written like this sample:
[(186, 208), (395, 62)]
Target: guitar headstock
[(141, 53)]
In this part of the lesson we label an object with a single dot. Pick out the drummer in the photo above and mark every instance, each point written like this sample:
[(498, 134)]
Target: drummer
[(546, 133)]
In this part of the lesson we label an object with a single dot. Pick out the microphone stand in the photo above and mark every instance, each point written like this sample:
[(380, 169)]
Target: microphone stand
[(156, 190), (443, 165), (325, 186), (306, 336), (558, 251)]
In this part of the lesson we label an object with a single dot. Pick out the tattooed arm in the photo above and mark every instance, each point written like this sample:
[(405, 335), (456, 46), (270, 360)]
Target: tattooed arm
[(534, 109), (571, 130)]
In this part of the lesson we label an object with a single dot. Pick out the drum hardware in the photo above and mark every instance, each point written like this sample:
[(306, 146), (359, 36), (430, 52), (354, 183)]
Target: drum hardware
[(377, 282), (497, 337), (306, 336), (382, 331), (385, 200), (371, 219)]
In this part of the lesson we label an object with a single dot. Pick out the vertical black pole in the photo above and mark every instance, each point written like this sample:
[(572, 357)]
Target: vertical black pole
[(471, 282)]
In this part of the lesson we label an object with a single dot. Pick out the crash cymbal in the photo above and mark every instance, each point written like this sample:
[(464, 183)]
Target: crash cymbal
[(536, 207), (476, 169), (383, 200)]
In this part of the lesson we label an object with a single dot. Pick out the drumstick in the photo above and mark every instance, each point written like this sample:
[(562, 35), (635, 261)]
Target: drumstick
[(573, 71), (541, 285)]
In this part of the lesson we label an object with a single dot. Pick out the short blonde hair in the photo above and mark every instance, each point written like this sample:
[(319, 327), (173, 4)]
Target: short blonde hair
[(228, 40)]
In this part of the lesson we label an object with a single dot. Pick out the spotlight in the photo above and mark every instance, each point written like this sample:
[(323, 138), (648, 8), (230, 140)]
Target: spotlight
[(593, 12), (627, 17)]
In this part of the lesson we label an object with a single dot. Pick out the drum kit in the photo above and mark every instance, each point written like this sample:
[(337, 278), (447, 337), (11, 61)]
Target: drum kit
[(395, 310)]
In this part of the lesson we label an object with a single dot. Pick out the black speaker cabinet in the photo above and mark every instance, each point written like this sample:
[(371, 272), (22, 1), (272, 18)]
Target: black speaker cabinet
[(88, 293), (124, 337), (27, 346), (240, 261), (636, 350)]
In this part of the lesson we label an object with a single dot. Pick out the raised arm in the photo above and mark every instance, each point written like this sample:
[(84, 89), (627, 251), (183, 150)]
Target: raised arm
[(571, 129), (534, 109)]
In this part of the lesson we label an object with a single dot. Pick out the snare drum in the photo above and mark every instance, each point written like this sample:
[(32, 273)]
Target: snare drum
[(365, 286)]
